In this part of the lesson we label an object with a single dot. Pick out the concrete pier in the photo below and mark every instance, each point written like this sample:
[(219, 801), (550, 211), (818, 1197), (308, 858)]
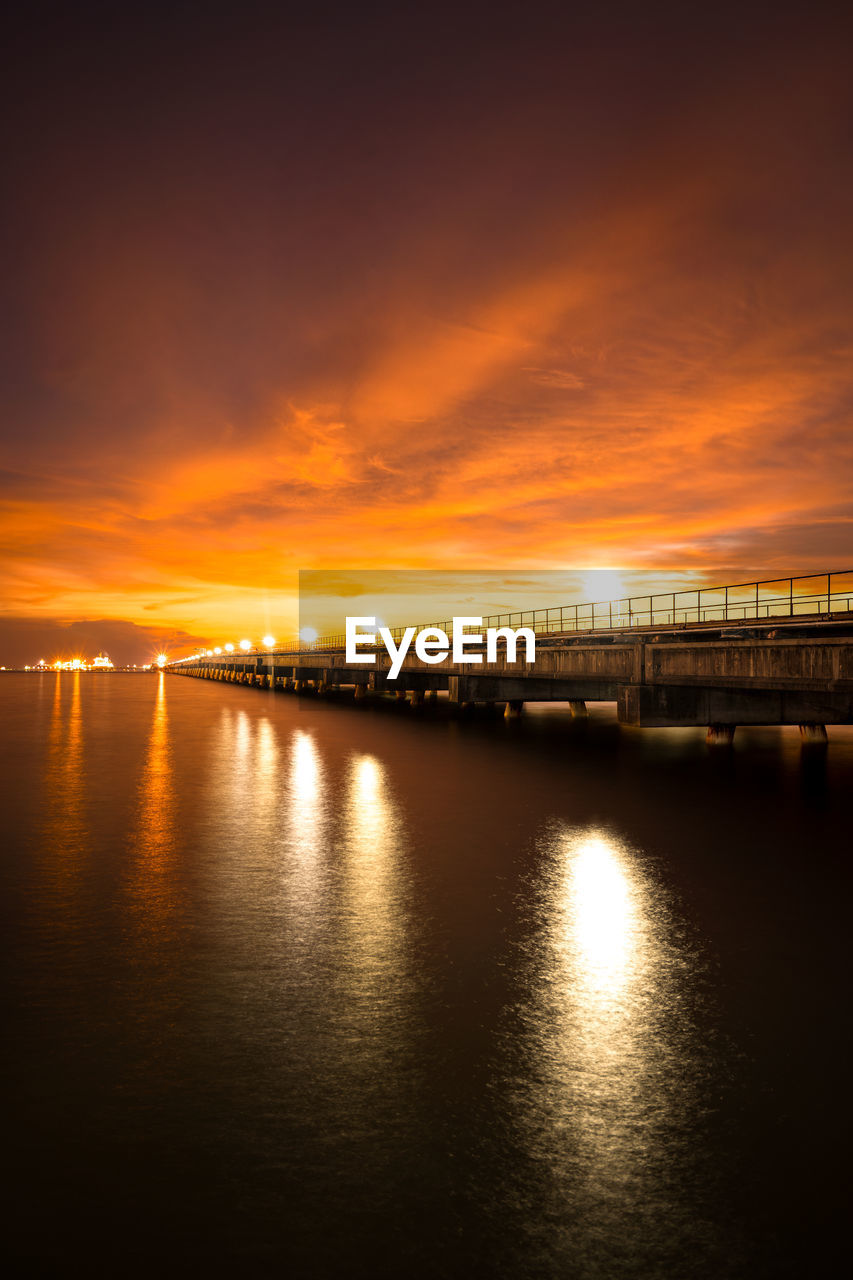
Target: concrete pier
[(788, 671)]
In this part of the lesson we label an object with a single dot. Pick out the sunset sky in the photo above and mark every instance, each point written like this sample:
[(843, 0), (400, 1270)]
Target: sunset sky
[(519, 286)]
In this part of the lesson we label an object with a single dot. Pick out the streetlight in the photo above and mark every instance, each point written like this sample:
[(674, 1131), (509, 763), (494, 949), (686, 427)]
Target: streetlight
[(245, 645), (269, 641), (229, 648)]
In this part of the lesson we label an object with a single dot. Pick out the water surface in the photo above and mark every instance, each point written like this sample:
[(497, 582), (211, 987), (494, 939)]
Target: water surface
[(318, 989)]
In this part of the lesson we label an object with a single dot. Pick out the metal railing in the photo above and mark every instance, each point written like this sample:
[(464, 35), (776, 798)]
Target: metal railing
[(805, 595), (813, 594)]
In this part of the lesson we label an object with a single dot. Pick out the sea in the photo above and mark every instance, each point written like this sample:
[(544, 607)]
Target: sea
[(302, 987)]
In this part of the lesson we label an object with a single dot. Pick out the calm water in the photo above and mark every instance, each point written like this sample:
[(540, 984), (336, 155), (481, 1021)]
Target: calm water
[(318, 990)]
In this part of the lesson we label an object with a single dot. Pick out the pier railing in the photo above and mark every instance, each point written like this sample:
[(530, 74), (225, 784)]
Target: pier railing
[(821, 594)]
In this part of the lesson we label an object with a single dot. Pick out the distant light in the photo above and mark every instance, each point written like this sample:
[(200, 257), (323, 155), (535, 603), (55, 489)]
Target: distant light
[(217, 649), (245, 644), (162, 659), (229, 648), (308, 634), (269, 641), (209, 653)]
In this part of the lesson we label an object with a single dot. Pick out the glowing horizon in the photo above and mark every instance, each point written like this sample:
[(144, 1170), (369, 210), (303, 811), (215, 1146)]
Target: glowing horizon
[(515, 330)]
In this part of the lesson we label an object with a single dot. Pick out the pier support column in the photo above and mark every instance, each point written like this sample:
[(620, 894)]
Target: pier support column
[(513, 709), (431, 695), (400, 695), (361, 692), (416, 698), (720, 735), (578, 708), (813, 734)]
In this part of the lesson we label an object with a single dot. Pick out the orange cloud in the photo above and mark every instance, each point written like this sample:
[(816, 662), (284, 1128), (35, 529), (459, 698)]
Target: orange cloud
[(543, 339)]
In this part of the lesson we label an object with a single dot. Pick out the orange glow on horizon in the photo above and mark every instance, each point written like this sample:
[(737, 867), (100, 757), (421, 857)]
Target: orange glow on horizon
[(550, 340)]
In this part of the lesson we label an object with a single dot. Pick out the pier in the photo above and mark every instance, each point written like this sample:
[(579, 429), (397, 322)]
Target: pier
[(777, 653)]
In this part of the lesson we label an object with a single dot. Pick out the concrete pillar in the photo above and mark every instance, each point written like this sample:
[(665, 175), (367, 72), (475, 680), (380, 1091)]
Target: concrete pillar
[(813, 734), (400, 695), (577, 706), (360, 692), (416, 698), (513, 709), (432, 695), (720, 735)]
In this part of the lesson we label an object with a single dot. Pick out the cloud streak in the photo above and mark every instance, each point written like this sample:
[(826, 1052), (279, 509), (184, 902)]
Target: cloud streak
[(600, 317)]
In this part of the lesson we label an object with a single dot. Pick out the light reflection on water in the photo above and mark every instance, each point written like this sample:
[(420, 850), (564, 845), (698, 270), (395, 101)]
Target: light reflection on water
[(155, 829), (65, 784), (305, 828), (333, 986), (610, 1100), (373, 917), (154, 867)]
